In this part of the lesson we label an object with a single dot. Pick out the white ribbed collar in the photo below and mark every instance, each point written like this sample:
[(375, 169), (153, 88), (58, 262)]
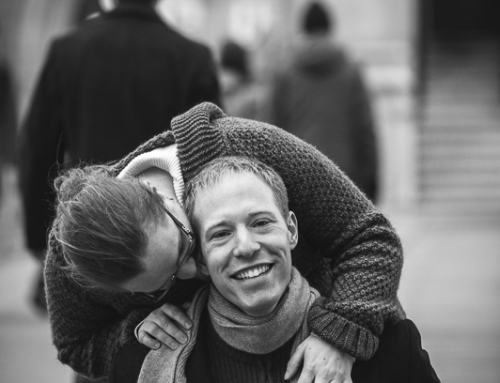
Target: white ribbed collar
[(164, 158)]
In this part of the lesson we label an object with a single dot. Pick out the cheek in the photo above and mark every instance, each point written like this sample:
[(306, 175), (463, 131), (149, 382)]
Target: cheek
[(213, 265), (215, 257), (216, 267)]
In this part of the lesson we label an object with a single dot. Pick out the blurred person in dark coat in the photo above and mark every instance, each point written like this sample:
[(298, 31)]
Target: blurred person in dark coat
[(322, 99), (242, 95), (8, 117), (106, 86), (84, 9)]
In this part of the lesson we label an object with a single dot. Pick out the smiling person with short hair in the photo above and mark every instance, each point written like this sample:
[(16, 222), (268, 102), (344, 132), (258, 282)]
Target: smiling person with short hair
[(252, 318)]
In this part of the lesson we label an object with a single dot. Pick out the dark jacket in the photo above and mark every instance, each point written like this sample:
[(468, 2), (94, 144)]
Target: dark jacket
[(106, 87), (8, 118), (322, 99), (360, 248)]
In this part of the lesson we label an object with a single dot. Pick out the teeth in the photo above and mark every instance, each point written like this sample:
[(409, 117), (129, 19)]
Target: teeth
[(252, 273)]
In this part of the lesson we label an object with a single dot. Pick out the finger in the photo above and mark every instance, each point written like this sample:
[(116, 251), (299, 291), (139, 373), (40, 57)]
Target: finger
[(328, 376), (167, 333), (148, 341), (177, 314), (306, 375), (347, 378), (160, 319), (186, 305), (294, 362)]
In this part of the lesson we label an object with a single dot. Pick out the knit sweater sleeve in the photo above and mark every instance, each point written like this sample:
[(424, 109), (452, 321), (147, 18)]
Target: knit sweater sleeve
[(335, 218)]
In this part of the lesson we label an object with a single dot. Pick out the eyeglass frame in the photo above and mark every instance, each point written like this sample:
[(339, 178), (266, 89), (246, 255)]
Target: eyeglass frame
[(192, 242)]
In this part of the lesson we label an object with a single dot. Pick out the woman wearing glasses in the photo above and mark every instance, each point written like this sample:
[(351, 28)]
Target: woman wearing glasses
[(123, 227)]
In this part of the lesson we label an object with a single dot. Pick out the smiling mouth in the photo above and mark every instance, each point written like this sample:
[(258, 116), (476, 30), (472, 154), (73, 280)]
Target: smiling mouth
[(252, 272)]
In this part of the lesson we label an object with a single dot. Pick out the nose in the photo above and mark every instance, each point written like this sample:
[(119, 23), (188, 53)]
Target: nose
[(245, 245)]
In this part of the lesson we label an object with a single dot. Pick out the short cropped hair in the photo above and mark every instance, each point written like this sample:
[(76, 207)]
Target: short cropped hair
[(213, 172), (101, 224)]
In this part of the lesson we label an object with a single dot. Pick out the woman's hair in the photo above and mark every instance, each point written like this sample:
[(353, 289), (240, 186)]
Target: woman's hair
[(101, 224), (213, 172)]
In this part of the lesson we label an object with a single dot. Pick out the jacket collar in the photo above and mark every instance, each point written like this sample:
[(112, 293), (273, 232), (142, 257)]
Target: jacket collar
[(134, 11)]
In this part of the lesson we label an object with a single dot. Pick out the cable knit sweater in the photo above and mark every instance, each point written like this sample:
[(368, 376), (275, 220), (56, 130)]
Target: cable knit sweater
[(347, 249)]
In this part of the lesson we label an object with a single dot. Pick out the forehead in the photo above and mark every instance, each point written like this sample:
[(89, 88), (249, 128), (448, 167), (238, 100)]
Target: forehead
[(231, 191)]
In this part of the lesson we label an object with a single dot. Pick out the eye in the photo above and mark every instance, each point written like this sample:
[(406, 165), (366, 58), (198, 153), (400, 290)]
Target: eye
[(220, 234), (261, 223)]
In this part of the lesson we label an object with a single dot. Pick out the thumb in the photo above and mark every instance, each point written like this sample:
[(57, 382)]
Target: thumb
[(294, 362)]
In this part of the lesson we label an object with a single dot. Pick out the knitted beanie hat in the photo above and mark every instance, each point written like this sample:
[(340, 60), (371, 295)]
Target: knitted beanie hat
[(316, 19)]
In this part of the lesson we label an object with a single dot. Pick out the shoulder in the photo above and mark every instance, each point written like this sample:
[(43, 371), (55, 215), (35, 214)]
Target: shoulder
[(187, 44), (78, 32)]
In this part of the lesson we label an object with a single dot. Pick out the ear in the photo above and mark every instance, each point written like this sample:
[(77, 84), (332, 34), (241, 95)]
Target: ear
[(293, 230)]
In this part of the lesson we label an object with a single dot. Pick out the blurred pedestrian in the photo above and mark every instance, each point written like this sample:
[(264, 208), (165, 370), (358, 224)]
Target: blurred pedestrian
[(84, 9), (321, 98), (242, 95), (106, 86), (8, 118)]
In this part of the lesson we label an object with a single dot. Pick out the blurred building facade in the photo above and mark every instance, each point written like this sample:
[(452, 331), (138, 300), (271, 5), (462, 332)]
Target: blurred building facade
[(392, 38)]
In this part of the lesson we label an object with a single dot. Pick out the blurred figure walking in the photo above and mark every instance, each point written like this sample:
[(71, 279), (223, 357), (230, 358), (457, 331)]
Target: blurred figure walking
[(108, 85), (322, 99), (242, 95), (8, 117)]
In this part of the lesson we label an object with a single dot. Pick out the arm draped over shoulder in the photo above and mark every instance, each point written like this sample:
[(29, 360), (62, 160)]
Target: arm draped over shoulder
[(336, 220)]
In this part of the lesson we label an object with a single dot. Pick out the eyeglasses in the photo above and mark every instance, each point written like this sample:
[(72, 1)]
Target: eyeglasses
[(162, 291)]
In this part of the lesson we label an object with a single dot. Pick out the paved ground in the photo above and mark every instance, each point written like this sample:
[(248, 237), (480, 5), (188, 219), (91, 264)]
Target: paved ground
[(450, 288), (26, 351)]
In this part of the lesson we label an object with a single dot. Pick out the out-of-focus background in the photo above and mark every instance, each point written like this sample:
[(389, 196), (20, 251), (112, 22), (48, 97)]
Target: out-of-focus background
[(432, 69)]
